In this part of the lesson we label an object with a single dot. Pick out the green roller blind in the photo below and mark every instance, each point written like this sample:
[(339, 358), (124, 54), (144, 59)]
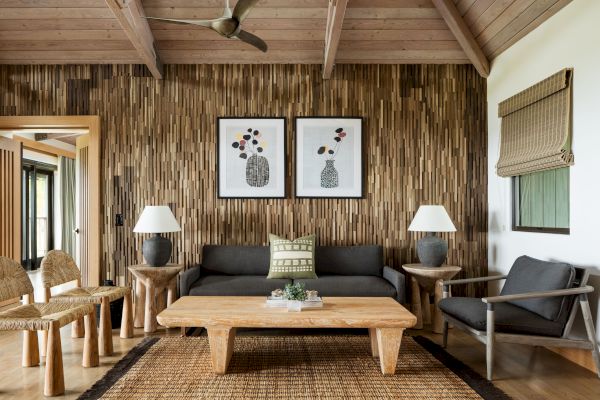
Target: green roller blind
[(542, 199)]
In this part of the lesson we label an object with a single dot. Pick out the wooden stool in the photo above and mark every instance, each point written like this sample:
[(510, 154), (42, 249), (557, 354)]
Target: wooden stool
[(425, 281), (151, 283)]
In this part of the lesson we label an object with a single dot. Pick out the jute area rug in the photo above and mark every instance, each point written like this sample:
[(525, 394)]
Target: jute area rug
[(289, 367)]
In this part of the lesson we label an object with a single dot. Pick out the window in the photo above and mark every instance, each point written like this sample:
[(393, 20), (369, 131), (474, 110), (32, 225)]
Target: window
[(37, 196), (541, 201)]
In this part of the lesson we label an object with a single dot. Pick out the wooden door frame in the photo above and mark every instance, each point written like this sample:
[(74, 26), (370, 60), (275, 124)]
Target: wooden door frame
[(92, 124)]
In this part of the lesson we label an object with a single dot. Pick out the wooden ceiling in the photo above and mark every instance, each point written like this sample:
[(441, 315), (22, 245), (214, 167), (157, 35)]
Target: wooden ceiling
[(297, 31)]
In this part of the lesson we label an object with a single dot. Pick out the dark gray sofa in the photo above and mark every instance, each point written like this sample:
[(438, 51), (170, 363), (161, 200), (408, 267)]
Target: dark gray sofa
[(342, 271)]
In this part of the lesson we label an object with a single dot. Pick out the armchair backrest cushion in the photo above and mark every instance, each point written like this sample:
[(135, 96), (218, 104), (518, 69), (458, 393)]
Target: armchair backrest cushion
[(531, 275)]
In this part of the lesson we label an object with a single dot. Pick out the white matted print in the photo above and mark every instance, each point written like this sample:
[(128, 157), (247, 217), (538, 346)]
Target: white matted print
[(329, 157), (251, 157)]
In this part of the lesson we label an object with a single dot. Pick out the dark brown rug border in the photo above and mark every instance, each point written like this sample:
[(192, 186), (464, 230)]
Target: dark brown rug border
[(112, 375), (478, 383)]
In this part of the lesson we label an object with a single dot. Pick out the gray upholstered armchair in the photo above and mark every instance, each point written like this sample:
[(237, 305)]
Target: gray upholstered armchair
[(537, 306)]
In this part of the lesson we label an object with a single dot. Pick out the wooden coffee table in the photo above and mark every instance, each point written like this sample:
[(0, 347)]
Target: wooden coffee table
[(221, 315)]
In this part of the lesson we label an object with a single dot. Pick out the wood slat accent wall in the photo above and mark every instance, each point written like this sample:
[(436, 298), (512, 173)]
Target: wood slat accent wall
[(425, 142), (10, 206)]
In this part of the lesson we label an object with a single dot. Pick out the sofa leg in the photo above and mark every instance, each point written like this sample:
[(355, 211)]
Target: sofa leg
[(445, 333), (489, 344), (589, 327)]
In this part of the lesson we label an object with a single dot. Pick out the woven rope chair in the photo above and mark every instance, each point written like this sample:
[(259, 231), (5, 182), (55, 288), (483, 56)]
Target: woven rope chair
[(57, 268), (32, 317)]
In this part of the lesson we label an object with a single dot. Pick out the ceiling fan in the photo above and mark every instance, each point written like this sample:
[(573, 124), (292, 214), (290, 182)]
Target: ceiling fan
[(229, 25)]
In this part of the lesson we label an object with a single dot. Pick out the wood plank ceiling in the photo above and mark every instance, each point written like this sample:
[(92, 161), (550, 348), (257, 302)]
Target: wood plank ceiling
[(373, 31)]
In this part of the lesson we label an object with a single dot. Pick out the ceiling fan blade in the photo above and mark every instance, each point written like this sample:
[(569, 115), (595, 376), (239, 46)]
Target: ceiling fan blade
[(242, 9), (253, 40), (207, 23)]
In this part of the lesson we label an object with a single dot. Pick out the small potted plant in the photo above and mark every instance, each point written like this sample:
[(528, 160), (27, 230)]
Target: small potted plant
[(294, 294)]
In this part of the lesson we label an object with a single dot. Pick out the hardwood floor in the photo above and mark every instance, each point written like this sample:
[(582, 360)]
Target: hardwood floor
[(523, 372)]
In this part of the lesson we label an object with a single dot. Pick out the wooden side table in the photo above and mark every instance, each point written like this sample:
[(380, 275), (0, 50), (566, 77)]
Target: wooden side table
[(425, 281), (150, 284)]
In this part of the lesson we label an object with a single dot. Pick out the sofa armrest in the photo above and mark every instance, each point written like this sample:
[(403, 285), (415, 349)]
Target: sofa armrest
[(397, 279), (187, 279)]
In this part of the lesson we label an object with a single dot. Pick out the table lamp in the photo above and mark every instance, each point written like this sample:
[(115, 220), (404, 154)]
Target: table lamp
[(157, 219), (431, 249)]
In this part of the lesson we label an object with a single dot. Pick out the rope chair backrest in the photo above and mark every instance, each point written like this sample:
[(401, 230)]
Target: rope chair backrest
[(14, 281), (57, 268)]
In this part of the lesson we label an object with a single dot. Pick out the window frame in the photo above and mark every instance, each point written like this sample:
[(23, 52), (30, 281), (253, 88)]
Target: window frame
[(515, 212)]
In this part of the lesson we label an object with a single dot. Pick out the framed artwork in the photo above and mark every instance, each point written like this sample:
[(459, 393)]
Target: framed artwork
[(329, 160), (251, 157)]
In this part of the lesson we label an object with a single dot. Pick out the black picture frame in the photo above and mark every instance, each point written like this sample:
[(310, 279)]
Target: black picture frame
[(220, 195), (362, 167)]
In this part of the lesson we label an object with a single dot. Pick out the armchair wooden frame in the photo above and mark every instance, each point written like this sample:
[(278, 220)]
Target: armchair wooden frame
[(489, 337)]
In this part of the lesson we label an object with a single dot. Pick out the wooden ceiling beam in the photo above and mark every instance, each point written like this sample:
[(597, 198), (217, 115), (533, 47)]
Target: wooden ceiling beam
[(132, 18), (461, 31), (333, 31)]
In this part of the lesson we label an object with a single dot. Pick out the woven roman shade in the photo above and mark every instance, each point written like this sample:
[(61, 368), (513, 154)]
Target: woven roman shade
[(536, 127)]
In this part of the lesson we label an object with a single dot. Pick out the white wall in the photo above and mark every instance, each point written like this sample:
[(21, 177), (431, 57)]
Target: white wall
[(571, 38)]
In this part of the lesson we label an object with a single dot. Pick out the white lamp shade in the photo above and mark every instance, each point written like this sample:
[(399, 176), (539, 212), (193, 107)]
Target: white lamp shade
[(157, 219), (432, 219)]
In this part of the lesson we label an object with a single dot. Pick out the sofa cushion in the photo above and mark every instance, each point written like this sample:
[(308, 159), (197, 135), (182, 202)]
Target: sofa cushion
[(349, 260), (236, 260), (508, 317), (292, 258), (355, 286), (240, 285), (530, 275)]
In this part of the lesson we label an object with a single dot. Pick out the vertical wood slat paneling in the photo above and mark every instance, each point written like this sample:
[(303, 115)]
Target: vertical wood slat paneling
[(10, 194), (83, 216), (425, 143)]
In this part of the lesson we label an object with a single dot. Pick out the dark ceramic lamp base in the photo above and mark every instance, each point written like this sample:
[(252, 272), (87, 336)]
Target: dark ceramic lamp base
[(432, 250), (157, 250)]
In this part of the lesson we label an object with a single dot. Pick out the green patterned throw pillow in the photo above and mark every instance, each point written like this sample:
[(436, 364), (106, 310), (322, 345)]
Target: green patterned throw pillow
[(292, 259)]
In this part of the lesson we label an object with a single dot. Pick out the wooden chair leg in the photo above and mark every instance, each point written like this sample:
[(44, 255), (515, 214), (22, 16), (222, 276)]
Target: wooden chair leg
[(54, 384), (31, 354), (127, 317), (77, 328), (90, 344), (106, 344), (489, 344), (44, 344), (589, 327)]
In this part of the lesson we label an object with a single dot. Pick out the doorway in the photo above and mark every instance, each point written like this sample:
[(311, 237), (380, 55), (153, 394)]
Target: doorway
[(27, 206)]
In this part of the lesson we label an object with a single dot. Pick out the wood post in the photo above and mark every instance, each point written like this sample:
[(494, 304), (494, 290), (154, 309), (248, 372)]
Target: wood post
[(150, 312), (90, 344), (425, 306), (77, 330), (31, 353), (140, 300), (127, 317), (374, 346), (172, 292), (416, 302), (106, 344), (489, 343), (438, 319), (54, 384), (47, 295), (161, 299), (388, 344), (221, 341)]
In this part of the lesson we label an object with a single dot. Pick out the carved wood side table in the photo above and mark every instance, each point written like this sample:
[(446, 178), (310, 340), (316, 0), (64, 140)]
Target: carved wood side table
[(424, 281), (151, 283)]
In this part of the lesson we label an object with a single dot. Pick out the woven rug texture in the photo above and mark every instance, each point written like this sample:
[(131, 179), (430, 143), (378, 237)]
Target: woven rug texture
[(284, 367)]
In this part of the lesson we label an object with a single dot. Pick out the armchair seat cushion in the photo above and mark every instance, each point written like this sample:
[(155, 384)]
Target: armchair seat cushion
[(508, 317), (236, 285), (353, 286)]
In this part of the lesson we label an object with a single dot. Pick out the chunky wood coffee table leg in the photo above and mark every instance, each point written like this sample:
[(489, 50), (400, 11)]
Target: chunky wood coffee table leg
[(221, 347), (374, 347), (388, 345)]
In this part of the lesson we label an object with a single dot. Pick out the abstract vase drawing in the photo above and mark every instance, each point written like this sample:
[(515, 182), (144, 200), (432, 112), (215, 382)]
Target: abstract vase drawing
[(257, 171), (329, 175)]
